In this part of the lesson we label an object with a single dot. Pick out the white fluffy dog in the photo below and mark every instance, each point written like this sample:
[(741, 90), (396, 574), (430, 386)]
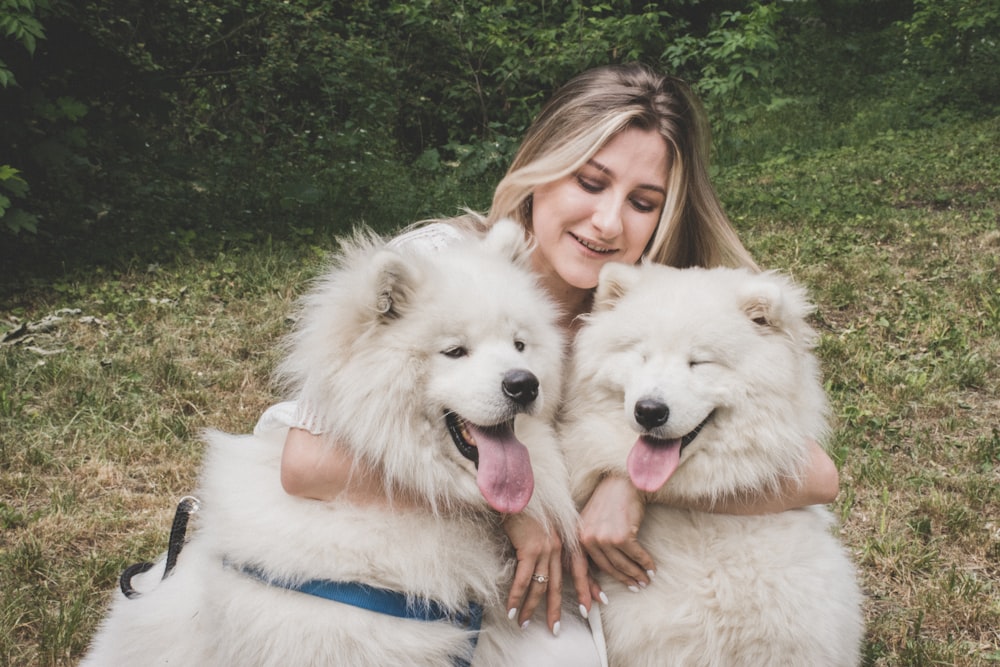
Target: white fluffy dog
[(422, 366), (701, 385)]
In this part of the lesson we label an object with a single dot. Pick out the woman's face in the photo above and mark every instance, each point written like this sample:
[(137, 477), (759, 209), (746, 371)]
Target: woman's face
[(605, 212)]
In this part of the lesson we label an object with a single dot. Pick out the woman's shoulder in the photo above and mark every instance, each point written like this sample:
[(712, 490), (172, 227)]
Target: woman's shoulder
[(430, 237)]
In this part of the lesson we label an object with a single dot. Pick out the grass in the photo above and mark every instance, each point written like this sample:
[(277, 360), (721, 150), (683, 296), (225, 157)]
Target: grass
[(100, 438), (896, 236), (898, 241)]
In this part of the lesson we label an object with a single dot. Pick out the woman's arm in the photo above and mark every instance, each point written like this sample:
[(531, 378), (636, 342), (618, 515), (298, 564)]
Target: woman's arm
[(819, 487), (310, 469), (609, 522)]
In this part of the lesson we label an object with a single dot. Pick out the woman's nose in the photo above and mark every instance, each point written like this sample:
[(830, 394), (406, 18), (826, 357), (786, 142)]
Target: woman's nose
[(607, 218)]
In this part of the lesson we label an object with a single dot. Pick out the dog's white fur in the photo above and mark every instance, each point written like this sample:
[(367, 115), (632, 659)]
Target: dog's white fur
[(729, 590), (369, 359)]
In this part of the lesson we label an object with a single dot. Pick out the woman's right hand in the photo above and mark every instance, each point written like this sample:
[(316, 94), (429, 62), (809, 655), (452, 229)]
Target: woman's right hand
[(609, 526), (539, 551)]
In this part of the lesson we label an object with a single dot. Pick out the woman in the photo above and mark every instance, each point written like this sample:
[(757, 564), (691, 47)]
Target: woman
[(614, 169)]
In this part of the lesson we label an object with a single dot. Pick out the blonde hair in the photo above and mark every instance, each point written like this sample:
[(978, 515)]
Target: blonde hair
[(583, 116)]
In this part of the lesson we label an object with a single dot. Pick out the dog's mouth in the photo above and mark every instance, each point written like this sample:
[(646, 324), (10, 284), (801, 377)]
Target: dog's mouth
[(462, 437), (503, 466), (653, 460)]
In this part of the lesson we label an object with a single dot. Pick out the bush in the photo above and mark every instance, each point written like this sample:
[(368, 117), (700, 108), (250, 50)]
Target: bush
[(20, 24), (953, 45), (147, 130)]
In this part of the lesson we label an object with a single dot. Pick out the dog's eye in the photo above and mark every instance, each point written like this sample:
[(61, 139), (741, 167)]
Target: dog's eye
[(697, 362), (455, 352), (519, 345)]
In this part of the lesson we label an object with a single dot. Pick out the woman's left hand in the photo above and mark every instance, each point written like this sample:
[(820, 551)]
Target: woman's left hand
[(609, 528)]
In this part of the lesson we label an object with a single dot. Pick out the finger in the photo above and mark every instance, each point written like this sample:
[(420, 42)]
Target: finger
[(536, 592), (617, 563), (633, 575), (553, 595), (596, 592), (580, 575), (641, 558), (519, 587), (630, 559), (601, 562)]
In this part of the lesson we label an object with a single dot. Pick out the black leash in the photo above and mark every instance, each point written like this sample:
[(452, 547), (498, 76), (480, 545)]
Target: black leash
[(185, 508)]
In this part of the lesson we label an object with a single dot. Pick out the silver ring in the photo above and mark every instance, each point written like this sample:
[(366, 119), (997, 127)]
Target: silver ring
[(539, 578)]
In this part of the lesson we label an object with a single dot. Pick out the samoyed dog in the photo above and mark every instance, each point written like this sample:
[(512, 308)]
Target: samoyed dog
[(701, 385), (439, 371)]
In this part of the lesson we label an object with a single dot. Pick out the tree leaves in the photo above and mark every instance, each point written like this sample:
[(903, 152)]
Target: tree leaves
[(17, 20)]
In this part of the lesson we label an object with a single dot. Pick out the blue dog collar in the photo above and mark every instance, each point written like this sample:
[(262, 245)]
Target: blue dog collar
[(379, 600)]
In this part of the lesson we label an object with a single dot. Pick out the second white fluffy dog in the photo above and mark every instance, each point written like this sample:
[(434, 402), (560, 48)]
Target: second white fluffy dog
[(701, 385)]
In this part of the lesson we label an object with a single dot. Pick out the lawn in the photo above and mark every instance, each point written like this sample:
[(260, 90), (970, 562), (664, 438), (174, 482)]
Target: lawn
[(108, 377)]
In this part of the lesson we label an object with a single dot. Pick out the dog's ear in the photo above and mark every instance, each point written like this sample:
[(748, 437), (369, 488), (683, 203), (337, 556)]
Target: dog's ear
[(613, 283), (393, 284), (507, 239), (776, 304)]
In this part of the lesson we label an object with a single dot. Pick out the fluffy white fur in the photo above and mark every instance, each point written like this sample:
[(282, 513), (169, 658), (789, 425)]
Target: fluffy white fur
[(734, 348), (378, 358)]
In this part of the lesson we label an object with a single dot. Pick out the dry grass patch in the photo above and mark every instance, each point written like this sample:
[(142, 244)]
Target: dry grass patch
[(100, 423), (897, 241)]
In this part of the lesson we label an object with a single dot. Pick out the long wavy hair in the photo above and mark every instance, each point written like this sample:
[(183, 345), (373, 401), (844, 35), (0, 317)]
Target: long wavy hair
[(583, 116)]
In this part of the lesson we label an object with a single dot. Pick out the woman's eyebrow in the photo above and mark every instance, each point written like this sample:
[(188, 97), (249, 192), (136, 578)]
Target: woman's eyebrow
[(642, 186)]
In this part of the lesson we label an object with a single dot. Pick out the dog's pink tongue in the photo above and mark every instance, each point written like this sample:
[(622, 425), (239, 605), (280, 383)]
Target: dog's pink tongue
[(652, 462), (504, 476)]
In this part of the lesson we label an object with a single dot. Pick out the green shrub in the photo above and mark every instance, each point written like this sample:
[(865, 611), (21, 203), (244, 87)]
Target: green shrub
[(955, 45)]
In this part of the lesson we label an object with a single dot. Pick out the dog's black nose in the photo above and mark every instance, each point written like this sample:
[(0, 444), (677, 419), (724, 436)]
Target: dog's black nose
[(520, 386), (651, 413)]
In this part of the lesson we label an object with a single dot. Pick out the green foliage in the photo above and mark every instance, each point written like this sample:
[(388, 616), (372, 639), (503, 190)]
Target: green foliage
[(19, 21), (15, 220), (735, 65), (179, 127), (955, 44), (492, 64)]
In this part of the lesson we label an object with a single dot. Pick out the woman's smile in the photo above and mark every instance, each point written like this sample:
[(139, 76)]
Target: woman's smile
[(592, 246)]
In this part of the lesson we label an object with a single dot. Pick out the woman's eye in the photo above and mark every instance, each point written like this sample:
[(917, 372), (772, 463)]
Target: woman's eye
[(589, 185), (519, 345), (455, 352), (643, 206)]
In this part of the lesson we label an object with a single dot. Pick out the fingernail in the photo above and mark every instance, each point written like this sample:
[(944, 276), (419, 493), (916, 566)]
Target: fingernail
[(603, 597), (525, 625), (584, 612), (634, 589), (642, 584), (512, 613), (651, 574), (555, 629)]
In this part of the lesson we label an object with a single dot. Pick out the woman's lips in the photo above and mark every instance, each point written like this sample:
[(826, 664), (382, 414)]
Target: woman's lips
[(592, 246)]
